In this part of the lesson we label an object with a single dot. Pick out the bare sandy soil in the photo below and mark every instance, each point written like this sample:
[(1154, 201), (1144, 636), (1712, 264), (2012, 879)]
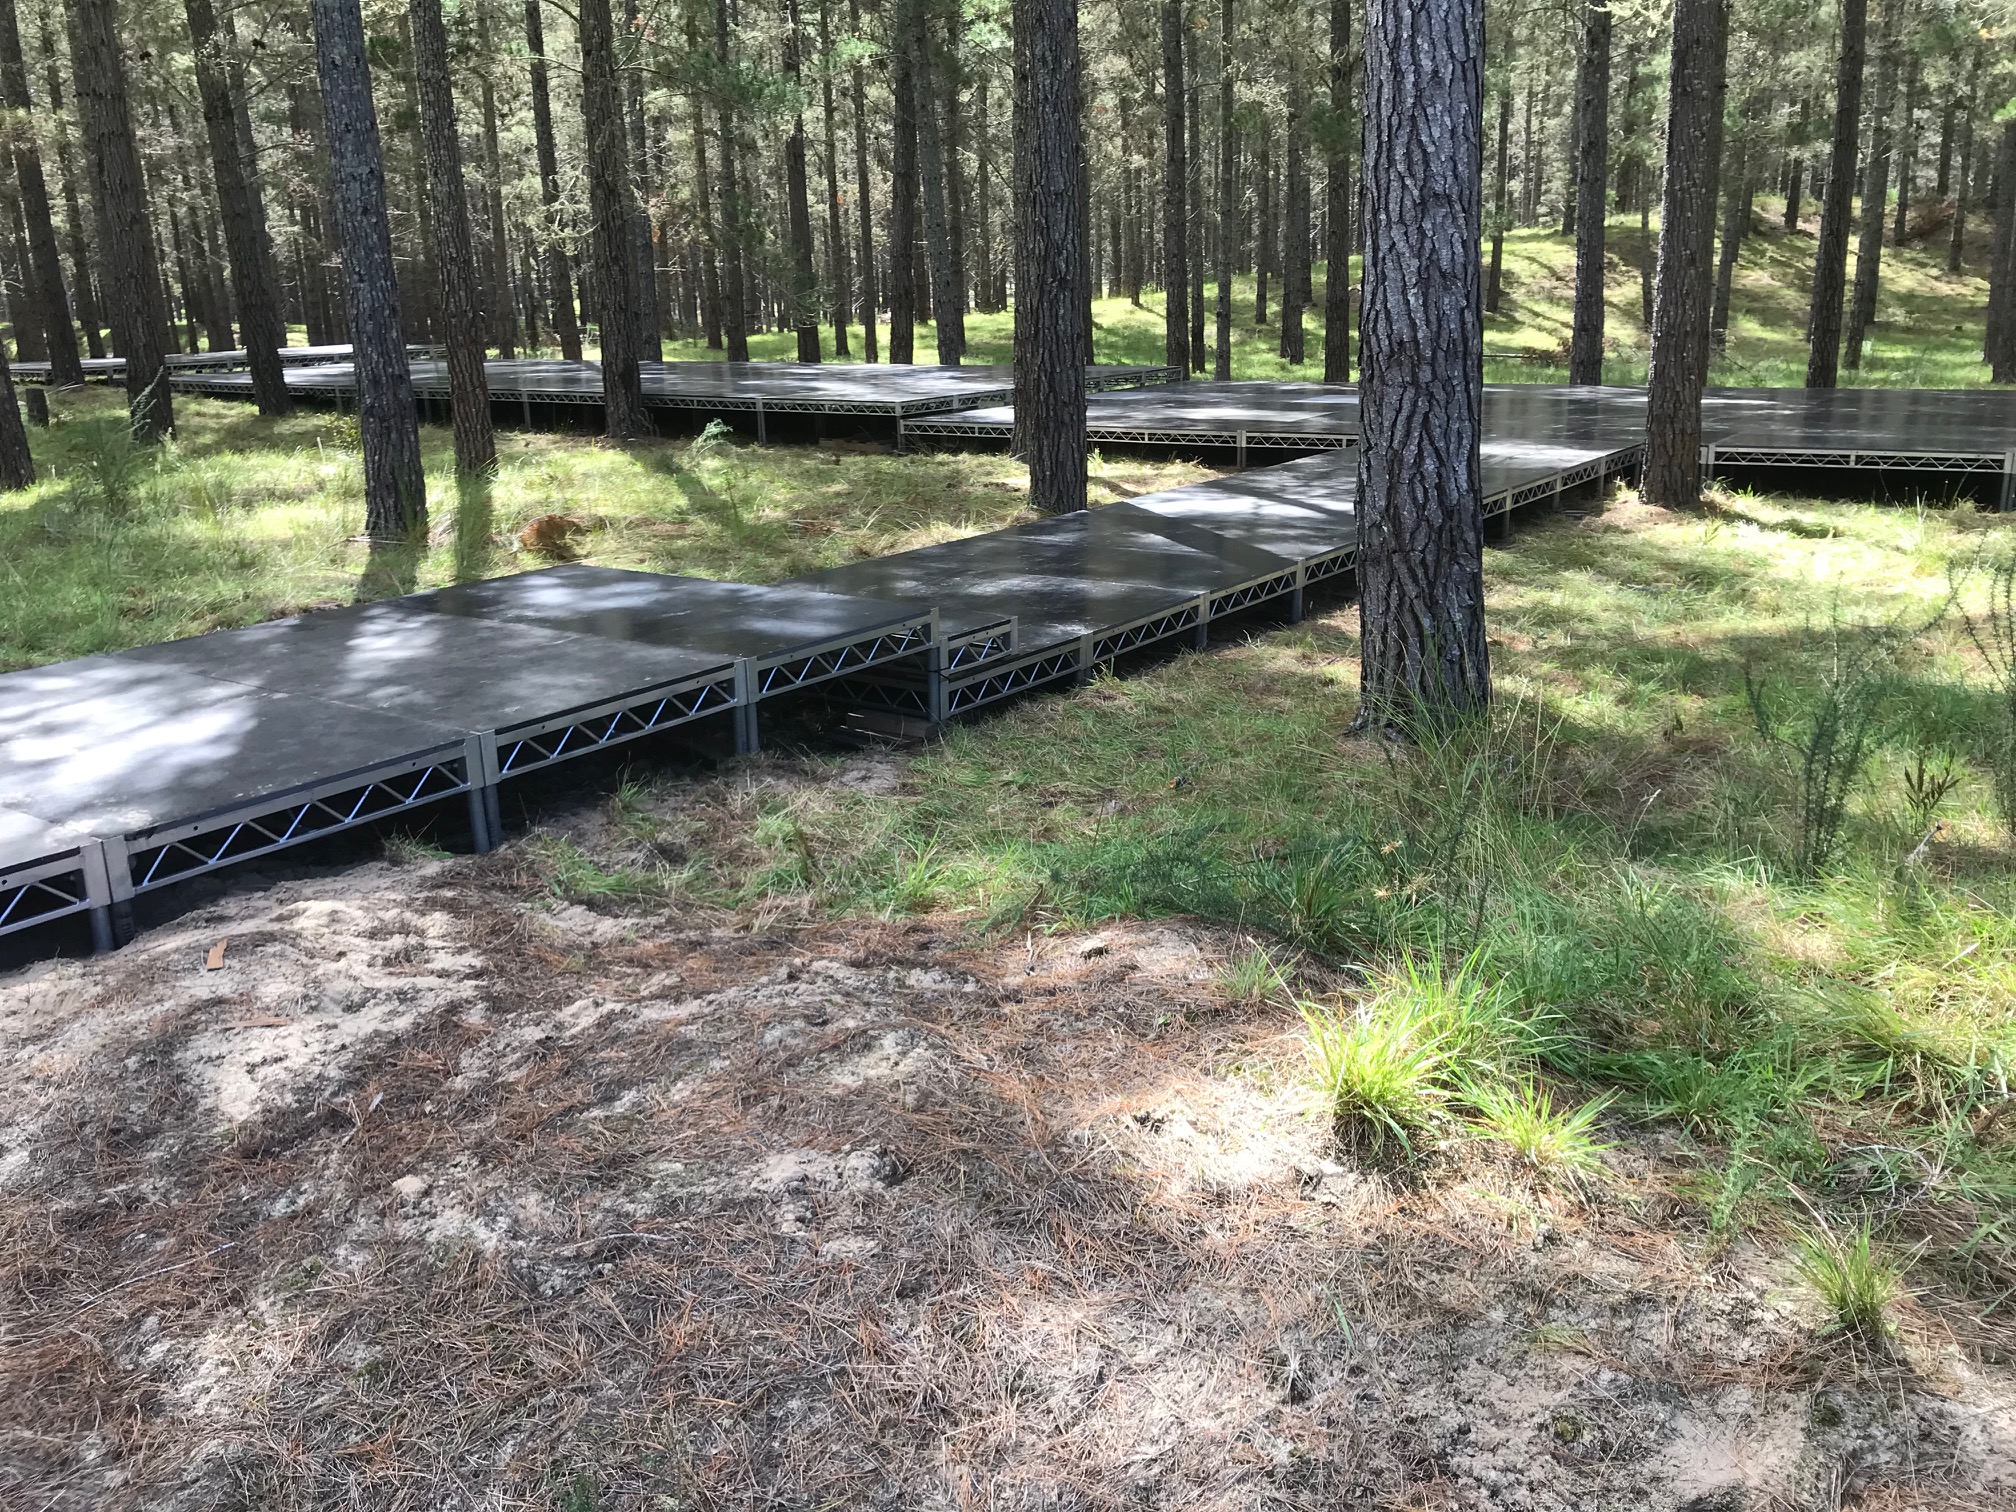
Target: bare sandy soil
[(440, 1193)]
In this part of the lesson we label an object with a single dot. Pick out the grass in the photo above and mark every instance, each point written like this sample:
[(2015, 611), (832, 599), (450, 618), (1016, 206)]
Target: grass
[(1927, 333), (1555, 1142), (242, 519), (1852, 1279)]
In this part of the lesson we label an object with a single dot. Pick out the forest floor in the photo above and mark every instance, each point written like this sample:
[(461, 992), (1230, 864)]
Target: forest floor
[(1145, 1097)]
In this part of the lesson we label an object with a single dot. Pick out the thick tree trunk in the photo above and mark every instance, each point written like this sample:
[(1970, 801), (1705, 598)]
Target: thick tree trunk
[(395, 490), (951, 75), (1830, 258), (1798, 169), (1423, 657), (1875, 193), (1228, 191), (836, 234), (17, 466), (804, 280), (947, 301), (1050, 289), (252, 276), (455, 248), (1592, 175), (1175, 191), (1679, 366), (1337, 204), (65, 368), (83, 294), (870, 306), (983, 206), (559, 266), (132, 268), (612, 204), (420, 300), (2000, 346), (903, 185)]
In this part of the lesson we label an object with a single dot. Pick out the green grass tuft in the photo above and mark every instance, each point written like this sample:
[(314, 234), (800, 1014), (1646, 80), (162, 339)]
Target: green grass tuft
[(1858, 1285)]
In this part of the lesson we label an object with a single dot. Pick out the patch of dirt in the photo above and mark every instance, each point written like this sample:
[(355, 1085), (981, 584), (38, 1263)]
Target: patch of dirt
[(438, 1194)]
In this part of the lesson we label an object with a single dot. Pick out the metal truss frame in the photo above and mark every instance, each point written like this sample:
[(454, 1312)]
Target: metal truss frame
[(836, 658), (49, 888), (527, 748)]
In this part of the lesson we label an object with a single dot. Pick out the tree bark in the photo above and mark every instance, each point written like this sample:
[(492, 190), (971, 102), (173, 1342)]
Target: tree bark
[(836, 234), (132, 268), (804, 280), (2000, 346), (1798, 169), (903, 185), (1907, 146), (643, 242), (612, 203), (65, 368), (1221, 363), (1592, 176), (455, 247), (1175, 190), (503, 309), (559, 266), (395, 490), (1295, 278), (1199, 244), (1830, 258), (1875, 193), (1735, 216), (1337, 204), (870, 306), (1423, 657), (1267, 254), (1501, 204), (1956, 243), (1680, 311), (1050, 288), (17, 464), (83, 295), (947, 303)]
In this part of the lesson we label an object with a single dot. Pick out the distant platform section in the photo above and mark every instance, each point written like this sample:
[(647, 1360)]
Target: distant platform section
[(105, 369)]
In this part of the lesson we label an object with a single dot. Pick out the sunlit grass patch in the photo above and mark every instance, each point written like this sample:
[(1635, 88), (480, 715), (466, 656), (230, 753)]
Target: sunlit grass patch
[(1555, 1142), (1854, 1280)]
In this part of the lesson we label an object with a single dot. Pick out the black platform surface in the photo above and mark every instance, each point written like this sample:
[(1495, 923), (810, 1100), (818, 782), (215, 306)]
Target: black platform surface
[(114, 744), (1241, 415), (469, 674), (892, 391), (691, 614), (231, 359), (24, 838)]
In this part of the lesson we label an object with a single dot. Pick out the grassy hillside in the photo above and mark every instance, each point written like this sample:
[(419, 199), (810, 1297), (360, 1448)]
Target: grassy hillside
[(1927, 334)]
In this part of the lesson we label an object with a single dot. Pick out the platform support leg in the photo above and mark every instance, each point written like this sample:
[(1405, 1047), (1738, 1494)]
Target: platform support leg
[(1242, 449), (747, 741), (1295, 598), (1200, 636), (2009, 483), (902, 439), (108, 883), (482, 839), (762, 426)]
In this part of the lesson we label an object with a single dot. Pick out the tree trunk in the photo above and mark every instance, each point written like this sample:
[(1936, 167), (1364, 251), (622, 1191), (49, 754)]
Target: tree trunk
[(1050, 289), (952, 77), (1735, 215), (947, 303), (1501, 204), (1175, 189), (612, 204), (395, 491), (133, 283), (1268, 253), (1592, 176), (1199, 248), (1679, 366), (1423, 658), (1907, 146), (2000, 346), (17, 465), (836, 234), (252, 278), (65, 369), (1830, 258), (421, 301), (1296, 280), (903, 184), (1337, 204), (1875, 191), (503, 309), (455, 248), (643, 242), (83, 296), (1221, 363), (983, 204), (804, 279), (1956, 243), (559, 266), (870, 306), (1798, 169), (734, 217)]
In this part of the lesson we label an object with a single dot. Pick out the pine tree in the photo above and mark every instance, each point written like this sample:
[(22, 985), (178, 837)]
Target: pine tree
[(611, 205), (1830, 257), (1592, 178)]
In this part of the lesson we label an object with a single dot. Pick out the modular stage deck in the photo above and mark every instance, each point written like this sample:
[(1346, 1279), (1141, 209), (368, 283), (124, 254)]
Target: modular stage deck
[(1965, 431), (888, 392), (1080, 590), (123, 773), (105, 369)]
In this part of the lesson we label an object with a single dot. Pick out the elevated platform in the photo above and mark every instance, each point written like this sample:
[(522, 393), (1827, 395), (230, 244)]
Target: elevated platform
[(123, 773), (892, 393), (105, 369), (1240, 417)]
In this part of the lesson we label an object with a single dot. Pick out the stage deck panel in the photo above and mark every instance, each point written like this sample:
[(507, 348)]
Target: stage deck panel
[(114, 745), (24, 838), (472, 675), (1060, 578), (1953, 423), (763, 623)]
